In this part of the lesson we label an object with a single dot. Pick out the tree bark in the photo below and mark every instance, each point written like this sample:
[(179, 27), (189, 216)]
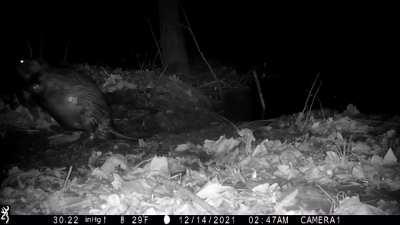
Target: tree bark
[(172, 40)]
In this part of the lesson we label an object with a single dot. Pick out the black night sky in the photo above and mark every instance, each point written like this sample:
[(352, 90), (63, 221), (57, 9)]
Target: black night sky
[(355, 48)]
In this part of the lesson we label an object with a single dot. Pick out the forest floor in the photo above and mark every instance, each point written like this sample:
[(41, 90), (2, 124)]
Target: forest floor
[(189, 161), (341, 164)]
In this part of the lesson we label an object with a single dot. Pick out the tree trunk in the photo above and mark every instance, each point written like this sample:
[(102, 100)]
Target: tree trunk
[(172, 39)]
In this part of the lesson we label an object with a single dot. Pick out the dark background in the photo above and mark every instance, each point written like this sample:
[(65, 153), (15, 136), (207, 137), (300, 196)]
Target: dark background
[(354, 47)]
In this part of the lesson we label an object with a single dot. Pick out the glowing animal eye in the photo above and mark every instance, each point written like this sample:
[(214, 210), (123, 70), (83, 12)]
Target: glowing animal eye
[(21, 61), (36, 87)]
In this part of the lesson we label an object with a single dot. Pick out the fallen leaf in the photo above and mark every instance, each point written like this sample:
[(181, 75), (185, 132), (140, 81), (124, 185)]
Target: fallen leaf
[(390, 158)]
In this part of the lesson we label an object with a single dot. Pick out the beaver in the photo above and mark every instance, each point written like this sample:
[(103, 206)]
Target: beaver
[(71, 97)]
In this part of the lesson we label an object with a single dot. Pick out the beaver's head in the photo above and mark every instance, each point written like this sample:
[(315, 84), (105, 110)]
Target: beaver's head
[(30, 71), (27, 68)]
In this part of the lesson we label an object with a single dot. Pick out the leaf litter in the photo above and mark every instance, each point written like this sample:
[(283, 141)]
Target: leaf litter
[(342, 164), (243, 176)]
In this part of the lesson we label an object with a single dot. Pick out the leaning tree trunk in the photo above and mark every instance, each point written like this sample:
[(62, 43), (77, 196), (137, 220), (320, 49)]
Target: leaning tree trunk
[(172, 40)]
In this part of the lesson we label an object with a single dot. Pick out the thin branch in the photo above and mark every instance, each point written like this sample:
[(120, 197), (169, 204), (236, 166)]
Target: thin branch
[(260, 94), (66, 181), (188, 27), (309, 92), (331, 199), (156, 42), (312, 101)]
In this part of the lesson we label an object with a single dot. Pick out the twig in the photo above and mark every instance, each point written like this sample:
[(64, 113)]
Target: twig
[(260, 95), (334, 203), (162, 72), (66, 181), (141, 163), (229, 122), (156, 42), (207, 84), (312, 102), (188, 27), (309, 92)]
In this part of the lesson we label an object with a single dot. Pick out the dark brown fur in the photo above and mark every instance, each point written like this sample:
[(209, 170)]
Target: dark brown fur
[(71, 97)]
